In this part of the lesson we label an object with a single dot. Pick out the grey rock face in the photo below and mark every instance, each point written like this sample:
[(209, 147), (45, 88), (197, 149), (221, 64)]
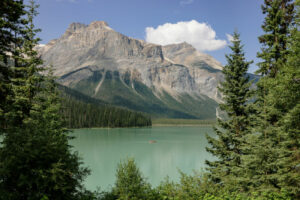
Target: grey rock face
[(204, 70), (85, 55)]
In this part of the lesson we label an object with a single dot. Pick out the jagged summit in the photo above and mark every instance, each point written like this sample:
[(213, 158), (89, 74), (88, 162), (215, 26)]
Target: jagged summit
[(76, 27), (98, 24)]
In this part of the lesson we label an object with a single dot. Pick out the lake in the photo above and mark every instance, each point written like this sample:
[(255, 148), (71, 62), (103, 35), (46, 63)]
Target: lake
[(171, 149)]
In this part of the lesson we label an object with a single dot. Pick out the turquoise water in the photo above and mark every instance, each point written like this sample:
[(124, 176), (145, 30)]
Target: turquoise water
[(176, 148)]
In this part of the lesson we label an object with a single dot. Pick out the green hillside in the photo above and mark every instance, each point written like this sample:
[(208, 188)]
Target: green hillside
[(81, 111)]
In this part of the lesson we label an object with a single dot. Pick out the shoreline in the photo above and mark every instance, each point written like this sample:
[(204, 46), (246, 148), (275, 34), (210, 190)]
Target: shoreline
[(165, 122), (154, 125), (167, 125)]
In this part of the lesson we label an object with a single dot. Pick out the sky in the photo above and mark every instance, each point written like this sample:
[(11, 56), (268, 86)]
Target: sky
[(206, 24)]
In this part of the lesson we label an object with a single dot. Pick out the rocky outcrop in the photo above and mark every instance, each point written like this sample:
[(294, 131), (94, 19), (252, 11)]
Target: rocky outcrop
[(105, 64), (204, 70)]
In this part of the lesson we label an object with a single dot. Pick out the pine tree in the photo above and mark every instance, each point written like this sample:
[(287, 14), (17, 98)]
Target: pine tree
[(276, 27), (265, 160), (26, 80), (270, 165), (11, 13), (279, 17), (36, 160), (286, 100), (228, 146)]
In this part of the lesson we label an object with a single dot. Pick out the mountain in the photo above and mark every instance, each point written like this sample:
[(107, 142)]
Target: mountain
[(174, 81)]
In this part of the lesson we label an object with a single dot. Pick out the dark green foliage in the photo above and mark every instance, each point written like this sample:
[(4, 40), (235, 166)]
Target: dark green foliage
[(279, 16), (81, 111), (171, 191), (26, 83), (228, 147), (130, 184), (189, 188), (36, 161), (11, 13), (82, 115), (289, 107), (274, 148), (30, 169), (200, 187)]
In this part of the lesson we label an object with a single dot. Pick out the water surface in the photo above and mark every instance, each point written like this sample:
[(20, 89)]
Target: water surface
[(175, 148)]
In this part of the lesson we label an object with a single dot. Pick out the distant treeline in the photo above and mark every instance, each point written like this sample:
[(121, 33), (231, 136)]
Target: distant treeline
[(180, 122), (80, 111)]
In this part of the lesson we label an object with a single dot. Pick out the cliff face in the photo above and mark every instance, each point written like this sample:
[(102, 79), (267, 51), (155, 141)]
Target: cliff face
[(204, 70), (167, 81)]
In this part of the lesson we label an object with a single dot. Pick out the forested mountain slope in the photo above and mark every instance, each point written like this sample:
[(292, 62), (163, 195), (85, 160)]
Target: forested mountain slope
[(81, 111)]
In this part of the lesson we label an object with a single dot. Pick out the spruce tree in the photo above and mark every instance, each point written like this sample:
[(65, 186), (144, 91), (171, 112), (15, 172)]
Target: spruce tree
[(11, 13), (274, 52), (265, 160), (229, 144), (279, 16), (36, 160), (285, 98), (27, 79)]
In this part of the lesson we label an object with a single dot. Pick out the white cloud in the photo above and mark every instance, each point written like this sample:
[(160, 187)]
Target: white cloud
[(200, 35), (186, 2)]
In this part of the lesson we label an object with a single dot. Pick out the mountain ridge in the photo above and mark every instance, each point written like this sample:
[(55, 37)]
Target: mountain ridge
[(104, 64)]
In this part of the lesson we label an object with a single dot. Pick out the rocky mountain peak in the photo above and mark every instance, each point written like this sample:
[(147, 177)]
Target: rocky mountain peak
[(98, 24), (184, 46), (79, 27)]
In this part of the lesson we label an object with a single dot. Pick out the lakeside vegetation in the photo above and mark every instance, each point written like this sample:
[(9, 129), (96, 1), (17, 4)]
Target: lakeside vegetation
[(257, 148), (182, 122), (131, 184)]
